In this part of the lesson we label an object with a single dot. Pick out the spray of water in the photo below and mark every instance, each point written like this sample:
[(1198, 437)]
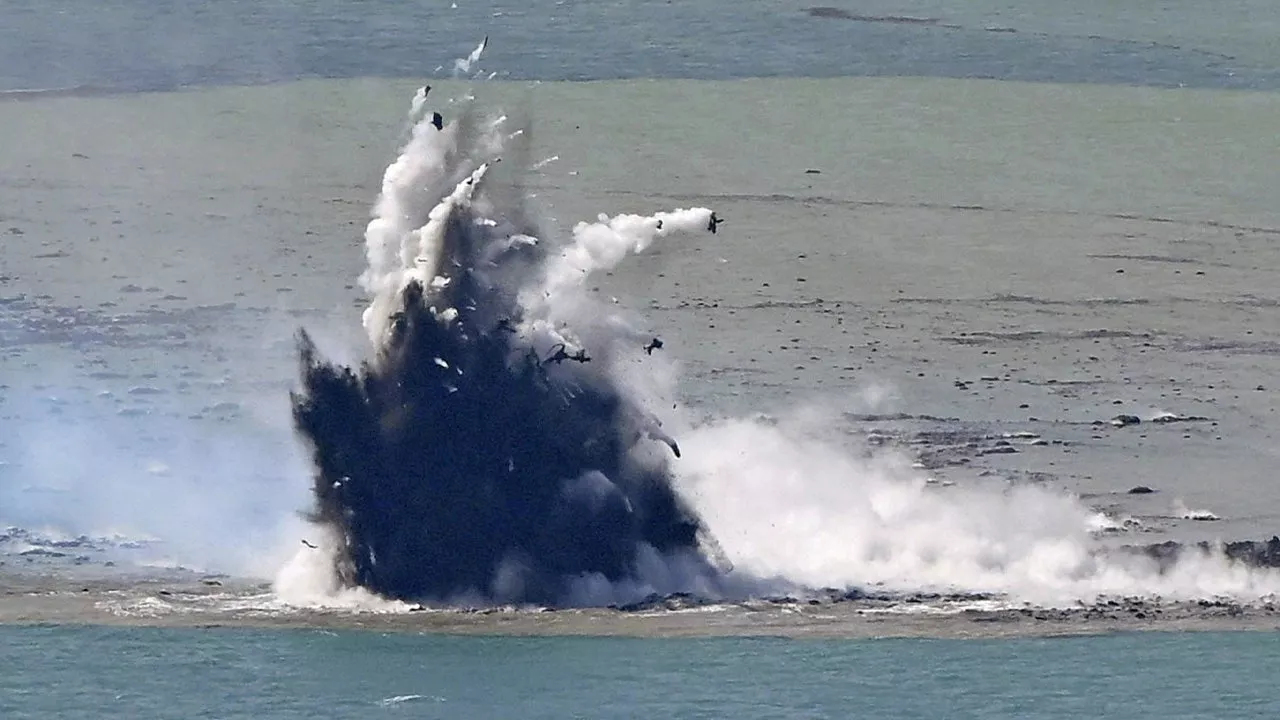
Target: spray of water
[(462, 66)]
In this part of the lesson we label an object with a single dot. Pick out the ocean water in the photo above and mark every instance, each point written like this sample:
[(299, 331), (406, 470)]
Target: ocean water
[(975, 233), (132, 45), (72, 673)]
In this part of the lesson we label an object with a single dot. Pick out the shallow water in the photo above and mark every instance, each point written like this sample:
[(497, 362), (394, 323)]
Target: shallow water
[(76, 672)]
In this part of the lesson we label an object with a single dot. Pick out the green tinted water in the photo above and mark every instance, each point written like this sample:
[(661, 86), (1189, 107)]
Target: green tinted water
[(134, 673)]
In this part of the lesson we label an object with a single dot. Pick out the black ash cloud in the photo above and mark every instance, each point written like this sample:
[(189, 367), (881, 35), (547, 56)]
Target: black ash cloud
[(487, 447)]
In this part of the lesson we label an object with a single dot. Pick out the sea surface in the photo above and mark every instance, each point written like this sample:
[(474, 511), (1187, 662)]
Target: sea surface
[(77, 672), (133, 45), (974, 231)]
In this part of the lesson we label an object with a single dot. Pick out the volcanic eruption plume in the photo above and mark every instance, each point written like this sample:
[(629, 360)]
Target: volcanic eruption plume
[(489, 446), (505, 439)]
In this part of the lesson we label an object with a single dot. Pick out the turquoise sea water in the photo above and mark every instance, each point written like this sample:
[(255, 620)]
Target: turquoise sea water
[(75, 673)]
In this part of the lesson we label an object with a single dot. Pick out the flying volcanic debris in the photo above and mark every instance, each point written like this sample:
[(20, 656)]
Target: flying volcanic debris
[(487, 446)]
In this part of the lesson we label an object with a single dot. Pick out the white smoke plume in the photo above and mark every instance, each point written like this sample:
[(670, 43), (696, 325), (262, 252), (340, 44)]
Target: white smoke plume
[(789, 504), (159, 490)]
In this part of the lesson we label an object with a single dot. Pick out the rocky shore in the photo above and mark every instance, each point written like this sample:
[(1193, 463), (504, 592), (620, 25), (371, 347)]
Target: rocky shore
[(1254, 553), (204, 603)]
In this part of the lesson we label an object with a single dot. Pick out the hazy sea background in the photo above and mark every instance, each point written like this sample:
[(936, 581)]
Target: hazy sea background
[(976, 230)]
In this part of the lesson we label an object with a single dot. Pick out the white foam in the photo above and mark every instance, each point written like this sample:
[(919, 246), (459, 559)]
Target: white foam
[(401, 699), (1181, 510)]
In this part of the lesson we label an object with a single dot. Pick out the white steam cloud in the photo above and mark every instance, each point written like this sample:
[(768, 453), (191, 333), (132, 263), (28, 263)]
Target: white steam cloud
[(154, 488), (785, 503)]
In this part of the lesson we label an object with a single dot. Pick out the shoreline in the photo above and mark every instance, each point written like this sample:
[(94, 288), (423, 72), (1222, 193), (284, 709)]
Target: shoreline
[(411, 80), (210, 604)]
